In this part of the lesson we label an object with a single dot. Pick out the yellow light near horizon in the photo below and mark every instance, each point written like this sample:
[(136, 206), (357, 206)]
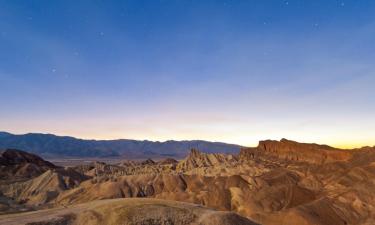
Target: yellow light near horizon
[(244, 134)]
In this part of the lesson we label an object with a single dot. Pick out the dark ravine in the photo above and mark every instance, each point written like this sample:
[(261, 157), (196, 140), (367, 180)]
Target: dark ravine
[(51, 145)]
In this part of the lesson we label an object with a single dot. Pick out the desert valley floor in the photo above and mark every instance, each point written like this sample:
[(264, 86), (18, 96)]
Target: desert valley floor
[(279, 182)]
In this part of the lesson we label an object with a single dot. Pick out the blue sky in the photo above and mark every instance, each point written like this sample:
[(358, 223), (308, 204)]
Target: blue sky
[(234, 71)]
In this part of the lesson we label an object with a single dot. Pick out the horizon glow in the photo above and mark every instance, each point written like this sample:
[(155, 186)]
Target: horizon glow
[(228, 71)]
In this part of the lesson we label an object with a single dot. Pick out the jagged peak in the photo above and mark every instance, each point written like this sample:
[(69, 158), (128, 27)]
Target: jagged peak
[(198, 159), (195, 152)]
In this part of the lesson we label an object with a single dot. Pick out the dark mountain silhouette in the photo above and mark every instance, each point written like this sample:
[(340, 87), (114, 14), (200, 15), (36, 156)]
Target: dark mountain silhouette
[(52, 145), (17, 164)]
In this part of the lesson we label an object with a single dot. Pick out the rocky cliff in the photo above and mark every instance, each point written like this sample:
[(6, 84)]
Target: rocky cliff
[(295, 151)]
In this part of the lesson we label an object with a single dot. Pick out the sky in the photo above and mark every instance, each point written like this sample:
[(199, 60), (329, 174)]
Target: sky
[(231, 71)]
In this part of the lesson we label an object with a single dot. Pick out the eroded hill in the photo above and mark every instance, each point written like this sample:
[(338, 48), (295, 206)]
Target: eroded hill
[(278, 182)]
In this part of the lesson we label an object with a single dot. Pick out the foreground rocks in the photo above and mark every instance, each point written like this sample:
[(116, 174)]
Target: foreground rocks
[(128, 212)]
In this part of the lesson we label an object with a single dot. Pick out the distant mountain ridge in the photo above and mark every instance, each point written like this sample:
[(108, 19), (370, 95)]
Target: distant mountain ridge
[(53, 145)]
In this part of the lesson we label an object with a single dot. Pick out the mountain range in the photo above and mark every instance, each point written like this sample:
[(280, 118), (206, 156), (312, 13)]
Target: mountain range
[(52, 145)]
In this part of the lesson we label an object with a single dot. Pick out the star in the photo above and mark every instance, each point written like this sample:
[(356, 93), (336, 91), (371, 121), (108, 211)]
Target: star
[(53, 70)]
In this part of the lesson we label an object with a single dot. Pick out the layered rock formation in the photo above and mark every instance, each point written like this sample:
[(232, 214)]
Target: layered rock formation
[(278, 182), (197, 159), (44, 188), (294, 151)]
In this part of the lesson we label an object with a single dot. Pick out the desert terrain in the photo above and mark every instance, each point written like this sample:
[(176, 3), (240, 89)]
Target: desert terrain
[(278, 182)]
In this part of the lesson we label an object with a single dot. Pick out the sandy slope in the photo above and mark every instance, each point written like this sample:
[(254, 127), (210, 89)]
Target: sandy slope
[(127, 211)]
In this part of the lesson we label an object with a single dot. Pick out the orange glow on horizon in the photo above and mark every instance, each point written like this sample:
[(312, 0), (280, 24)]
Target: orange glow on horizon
[(239, 140)]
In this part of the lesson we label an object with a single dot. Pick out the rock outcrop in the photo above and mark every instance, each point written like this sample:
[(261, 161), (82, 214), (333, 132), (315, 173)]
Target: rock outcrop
[(17, 164), (44, 188), (294, 151), (197, 159)]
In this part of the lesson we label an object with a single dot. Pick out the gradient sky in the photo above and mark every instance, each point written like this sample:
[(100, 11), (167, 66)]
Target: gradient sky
[(232, 71)]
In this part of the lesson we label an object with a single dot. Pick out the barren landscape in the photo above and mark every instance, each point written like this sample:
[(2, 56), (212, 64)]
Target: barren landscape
[(179, 112), (278, 182)]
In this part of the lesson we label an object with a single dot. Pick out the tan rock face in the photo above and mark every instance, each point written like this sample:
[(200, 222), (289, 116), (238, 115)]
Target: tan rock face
[(197, 159), (44, 188), (294, 151), (278, 182)]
